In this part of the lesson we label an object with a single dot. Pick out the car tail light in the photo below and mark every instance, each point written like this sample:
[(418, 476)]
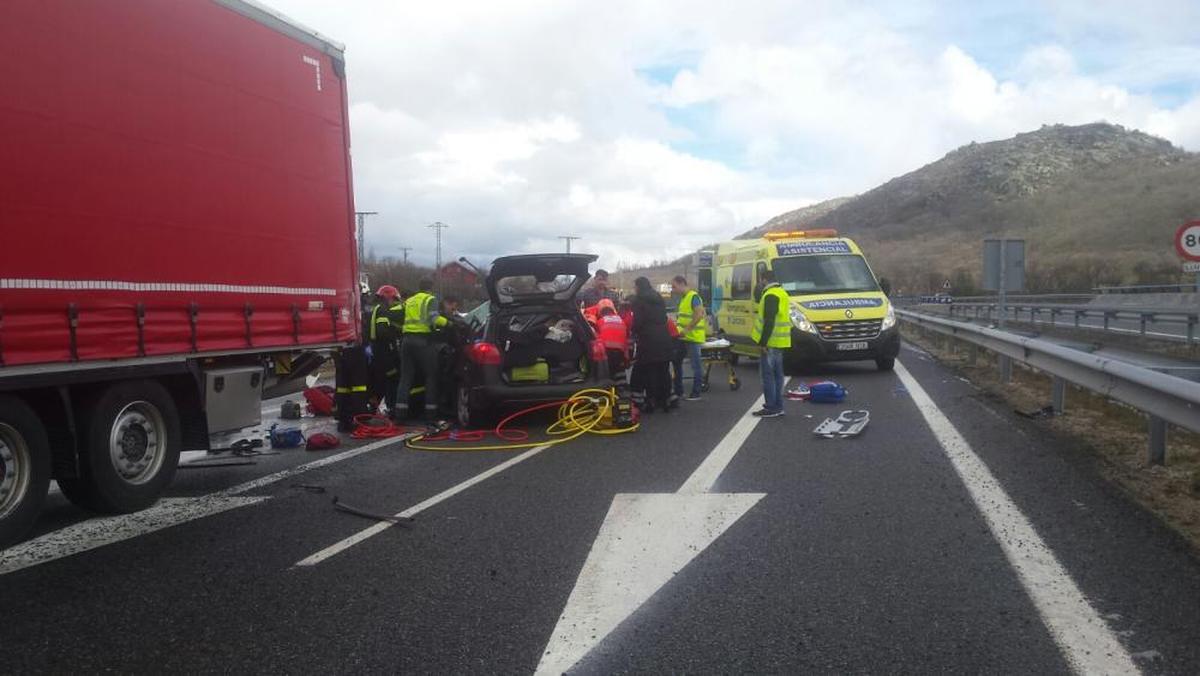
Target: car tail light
[(484, 354), (598, 351)]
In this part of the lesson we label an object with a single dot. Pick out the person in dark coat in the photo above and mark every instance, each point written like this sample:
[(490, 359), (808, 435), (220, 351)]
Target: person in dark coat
[(652, 359)]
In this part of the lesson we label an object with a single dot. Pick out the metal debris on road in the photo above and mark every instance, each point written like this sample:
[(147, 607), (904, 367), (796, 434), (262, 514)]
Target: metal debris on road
[(309, 488), (847, 424), (343, 507)]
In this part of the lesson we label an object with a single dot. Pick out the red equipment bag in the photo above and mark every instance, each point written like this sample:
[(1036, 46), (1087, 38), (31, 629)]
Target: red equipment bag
[(320, 400), (322, 441)]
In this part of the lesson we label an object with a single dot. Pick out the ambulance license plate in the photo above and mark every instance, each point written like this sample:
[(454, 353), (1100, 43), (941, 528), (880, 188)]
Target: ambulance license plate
[(857, 345)]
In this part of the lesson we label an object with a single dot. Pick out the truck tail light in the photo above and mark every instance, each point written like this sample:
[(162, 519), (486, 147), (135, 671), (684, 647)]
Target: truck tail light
[(598, 352), (484, 354)]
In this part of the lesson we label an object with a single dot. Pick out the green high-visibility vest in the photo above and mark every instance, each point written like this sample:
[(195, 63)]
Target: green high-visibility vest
[(781, 331), (685, 316), (416, 313)]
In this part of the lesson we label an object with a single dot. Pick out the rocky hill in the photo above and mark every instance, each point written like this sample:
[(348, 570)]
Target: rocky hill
[(1097, 204)]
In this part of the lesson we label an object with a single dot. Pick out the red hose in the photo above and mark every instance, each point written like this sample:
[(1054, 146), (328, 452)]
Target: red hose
[(372, 426)]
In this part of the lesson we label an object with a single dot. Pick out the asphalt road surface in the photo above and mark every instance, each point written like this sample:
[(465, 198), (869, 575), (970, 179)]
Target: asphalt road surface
[(950, 536)]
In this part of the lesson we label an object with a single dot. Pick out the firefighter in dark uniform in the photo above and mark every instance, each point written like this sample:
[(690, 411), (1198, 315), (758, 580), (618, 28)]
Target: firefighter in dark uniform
[(387, 318)]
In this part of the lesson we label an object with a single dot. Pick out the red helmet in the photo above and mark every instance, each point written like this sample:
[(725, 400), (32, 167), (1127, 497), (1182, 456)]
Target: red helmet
[(388, 292)]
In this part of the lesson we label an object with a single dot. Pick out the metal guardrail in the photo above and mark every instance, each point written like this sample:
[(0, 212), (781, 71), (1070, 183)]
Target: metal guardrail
[(1039, 312), (1163, 398), (1149, 288)]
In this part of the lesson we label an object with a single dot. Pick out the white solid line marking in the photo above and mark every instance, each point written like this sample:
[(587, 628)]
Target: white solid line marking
[(93, 533), (702, 480), (644, 541), (1084, 638), (98, 532), (315, 464), (378, 528)]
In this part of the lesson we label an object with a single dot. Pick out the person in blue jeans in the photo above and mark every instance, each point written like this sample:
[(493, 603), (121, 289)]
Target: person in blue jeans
[(772, 334), (690, 319)]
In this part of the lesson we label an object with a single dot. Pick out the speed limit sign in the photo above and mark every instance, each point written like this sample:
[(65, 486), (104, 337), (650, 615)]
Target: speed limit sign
[(1187, 241)]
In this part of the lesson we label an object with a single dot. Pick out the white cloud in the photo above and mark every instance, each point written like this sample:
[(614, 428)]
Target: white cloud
[(516, 122)]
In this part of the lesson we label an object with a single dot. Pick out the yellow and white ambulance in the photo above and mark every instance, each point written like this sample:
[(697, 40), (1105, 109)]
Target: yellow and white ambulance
[(838, 311)]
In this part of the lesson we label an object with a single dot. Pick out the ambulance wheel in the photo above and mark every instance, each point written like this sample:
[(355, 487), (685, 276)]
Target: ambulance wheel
[(131, 437), (24, 468), (885, 363), (471, 416)]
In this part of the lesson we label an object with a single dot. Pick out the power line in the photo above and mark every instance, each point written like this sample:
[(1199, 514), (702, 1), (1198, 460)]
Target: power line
[(568, 239)]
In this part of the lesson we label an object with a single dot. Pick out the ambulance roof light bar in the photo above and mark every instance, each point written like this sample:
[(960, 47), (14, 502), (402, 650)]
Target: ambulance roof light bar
[(798, 234)]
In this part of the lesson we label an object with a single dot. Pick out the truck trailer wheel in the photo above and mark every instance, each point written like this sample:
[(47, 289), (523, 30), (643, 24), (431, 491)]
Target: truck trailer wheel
[(24, 468), (131, 441)]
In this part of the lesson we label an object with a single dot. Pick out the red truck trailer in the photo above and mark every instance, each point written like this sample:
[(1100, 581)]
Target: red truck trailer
[(177, 236)]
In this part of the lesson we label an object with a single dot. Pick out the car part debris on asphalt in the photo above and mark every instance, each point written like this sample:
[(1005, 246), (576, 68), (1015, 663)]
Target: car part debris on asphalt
[(847, 424), (343, 507)]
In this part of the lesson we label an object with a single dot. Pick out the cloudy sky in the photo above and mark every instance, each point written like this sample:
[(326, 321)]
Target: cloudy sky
[(649, 128)]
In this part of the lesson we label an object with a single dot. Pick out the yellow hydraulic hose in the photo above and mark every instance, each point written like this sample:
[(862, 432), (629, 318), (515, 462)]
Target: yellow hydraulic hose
[(581, 414)]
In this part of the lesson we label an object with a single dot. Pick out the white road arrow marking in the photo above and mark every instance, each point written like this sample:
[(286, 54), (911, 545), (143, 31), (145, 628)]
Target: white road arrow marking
[(645, 540)]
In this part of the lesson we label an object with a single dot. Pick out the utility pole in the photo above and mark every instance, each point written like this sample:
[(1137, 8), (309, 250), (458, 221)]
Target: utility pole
[(404, 250), (568, 239), (361, 217), (437, 228)]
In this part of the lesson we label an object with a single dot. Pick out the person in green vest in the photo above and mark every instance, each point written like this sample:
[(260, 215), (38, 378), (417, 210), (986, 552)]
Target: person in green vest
[(692, 323), (418, 350), (772, 333)]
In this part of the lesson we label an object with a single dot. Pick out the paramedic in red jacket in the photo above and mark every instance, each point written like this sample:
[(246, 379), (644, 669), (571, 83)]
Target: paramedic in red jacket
[(613, 332)]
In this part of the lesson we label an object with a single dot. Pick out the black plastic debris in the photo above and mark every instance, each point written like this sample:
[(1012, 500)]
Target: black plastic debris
[(343, 507)]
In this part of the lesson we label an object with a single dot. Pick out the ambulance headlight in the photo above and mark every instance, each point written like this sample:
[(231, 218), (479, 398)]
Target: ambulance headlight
[(889, 318), (800, 321)]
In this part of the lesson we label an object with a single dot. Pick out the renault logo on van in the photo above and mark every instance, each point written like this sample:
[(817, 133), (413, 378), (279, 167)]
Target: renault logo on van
[(849, 314)]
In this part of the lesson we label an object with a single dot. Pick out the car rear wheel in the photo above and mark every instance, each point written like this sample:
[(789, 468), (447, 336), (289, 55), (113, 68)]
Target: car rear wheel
[(470, 415), (131, 434), (24, 468)]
